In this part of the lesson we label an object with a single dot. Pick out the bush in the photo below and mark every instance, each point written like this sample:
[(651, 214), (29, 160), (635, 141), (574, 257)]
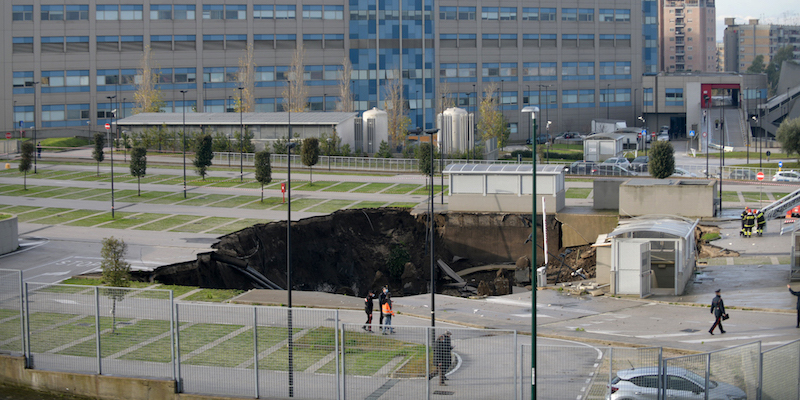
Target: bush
[(524, 153), (396, 263), (66, 142)]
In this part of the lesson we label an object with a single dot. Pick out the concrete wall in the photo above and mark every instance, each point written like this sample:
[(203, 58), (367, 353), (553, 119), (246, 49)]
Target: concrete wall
[(504, 203), (578, 229), (9, 235), (606, 193), (686, 198)]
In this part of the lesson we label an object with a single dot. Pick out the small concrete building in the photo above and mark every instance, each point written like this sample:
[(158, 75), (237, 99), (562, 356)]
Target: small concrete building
[(694, 198), (650, 255), (602, 146), (504, 187)]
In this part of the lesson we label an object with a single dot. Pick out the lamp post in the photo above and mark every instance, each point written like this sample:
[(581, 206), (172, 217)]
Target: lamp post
[(34, 122), (125, 142), (533, 265), (546, 108), (289, 148), (241, 136), (531, 136), (441, 149), (183, 92), (608, 103), (533, 110), (474, 123), (329, 152), (642, 132), (111, 151), (432, 132)]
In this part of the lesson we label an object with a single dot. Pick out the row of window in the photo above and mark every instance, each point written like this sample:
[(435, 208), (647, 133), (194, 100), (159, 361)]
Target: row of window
[(535, 14), (468, 72), (135, 12)]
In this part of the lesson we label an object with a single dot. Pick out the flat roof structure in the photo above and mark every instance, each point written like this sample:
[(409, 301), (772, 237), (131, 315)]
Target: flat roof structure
[(228, 119)]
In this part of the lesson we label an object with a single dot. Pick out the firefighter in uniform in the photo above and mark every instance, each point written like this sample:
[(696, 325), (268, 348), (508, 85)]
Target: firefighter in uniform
[(743, 216), (749, 222), (760, 221)]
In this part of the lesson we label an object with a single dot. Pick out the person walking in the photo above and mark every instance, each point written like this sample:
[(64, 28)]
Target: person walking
[(387, 315), (760, 221), (442, 356), (798, 303), (381, 300), (743, 216), (39, 150), (749, 223), (718, 309), (369, 305)]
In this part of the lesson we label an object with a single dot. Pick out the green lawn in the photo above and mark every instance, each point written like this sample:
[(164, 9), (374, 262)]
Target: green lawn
[(204, 199), (730, 197), (331, 206), (426, 190), (83, 194), (19, 209), (148, 196), (268, 202), (29, 191), (118, 194), (56, 192), (102, 217), (57, 336), (368, 204), (237, 226), (133, 220), (299, 204), (214, 295), (372, 188), (401, 188), (235, 201), (754, 197), (203, 224), (316, 186), (343, 187), (173, 198), (62, 218), (126, 335), (44, 212), (168, 223), (578, 193), (403, 205)]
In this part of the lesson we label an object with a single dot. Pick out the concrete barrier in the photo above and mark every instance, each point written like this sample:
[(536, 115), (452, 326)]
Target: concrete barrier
[(9, 234)]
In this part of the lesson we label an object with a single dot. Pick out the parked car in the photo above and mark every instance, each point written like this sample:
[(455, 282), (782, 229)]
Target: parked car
[(570, 136), (664, 130), (582, 168), (621, 161), (541, 139), (662, 137), (644, 383), (639, 164), (613, 170), (682, 173), (742, 175), (786, 176)]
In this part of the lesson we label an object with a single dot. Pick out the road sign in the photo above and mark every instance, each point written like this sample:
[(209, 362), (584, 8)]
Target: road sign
[(704, 134), (691, 133), (8, 135), (108, 126), (760, 176), (780, 164), (769, 153)]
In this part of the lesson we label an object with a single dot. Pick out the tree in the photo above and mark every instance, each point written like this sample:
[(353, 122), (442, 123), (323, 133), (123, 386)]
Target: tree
[(203, 155), (384, 151), (138, 166), (116, 273), (310, 154), (97, 153), (426, 164), (263, 170), (26, 160), (662, 160), (330, 143), (247, 146), (221, 143), (295, 93), (345, 103), (492, 124), (245, 98), (789, 136), (774, 68), (147, 97), (396, 109), (757, 66)]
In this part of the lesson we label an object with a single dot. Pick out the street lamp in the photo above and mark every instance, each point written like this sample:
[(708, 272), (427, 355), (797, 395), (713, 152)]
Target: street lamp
[(528, 102), (289, 148), (183, 92), (531, 126), (111, 152), (642, 132), (546, 108), (329, 152), (608, 103), (475, 122), (241, 136), (441, 149), (34, 120)]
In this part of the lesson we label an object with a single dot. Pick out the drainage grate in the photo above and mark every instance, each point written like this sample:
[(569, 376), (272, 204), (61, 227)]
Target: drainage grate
[(444, 392), (690, 330)]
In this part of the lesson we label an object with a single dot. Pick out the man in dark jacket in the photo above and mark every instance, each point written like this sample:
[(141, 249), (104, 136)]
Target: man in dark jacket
[(798, 303), (381, 300), (369, 305), (442, 356), (761, 222), (743, 216), (749, 223), (718, 309)]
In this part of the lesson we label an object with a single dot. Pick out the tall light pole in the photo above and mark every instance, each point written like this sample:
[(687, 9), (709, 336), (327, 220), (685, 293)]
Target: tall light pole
[(441, 150), (34, 123), (111, 151), (608, 103), (289, 148), (474, 123), (533, 110), (241, 135), (533, 265), (183, 92), (531, 136), (546, 108)]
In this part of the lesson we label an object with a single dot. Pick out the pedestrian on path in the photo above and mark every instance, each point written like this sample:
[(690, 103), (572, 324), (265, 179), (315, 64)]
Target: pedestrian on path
[(798, 303), (442, 356), (387, 315), (718, 309), (381, 300), (369, 305)]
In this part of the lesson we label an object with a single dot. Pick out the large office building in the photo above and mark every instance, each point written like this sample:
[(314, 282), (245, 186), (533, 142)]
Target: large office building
[(745, 42), (688, 35), (577, 59)]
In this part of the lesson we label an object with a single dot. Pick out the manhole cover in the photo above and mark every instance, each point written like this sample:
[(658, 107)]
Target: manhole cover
[(690, 330), (444, 392)]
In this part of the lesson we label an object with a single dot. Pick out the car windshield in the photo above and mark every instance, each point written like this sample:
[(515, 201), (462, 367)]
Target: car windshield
[(642, 159)]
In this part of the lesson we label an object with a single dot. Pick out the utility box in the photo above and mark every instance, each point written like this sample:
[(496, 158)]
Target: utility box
[(632, 263)]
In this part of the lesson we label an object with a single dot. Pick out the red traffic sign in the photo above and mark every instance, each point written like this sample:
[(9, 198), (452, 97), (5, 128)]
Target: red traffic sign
[(8, 135), (283, 187), (108, 126), (704, 134), (760, 176)]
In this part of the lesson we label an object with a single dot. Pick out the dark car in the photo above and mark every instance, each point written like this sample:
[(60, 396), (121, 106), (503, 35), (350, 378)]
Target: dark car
[(582, 168), (613, 170), (541, 139), (742, 175), (639, 164), (570, 136)]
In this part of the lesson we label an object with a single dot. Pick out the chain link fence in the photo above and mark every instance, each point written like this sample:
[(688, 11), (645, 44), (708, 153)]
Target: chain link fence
[(780, 372), (11, 312)]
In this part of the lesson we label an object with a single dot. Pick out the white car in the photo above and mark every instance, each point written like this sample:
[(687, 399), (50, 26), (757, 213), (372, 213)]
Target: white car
[(645, 382), (682, 173), (621, 161), (663, 137), (786, 176)]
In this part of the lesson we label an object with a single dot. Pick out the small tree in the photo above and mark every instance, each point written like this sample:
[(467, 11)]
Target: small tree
[(789, 136), (138, 166), (97, 153), (426, 164), (26, 160), (310, 155), (492, 123), (247, 146), (383, 150), (263, 170), (662, 160), (204, 155), (116, 273), (757, 66)]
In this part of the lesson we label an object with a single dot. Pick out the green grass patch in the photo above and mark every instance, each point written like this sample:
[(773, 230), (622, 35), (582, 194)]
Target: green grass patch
[(299, 204), (148, 197), (235, 201), (118, 177), (177, 291), (133, 220), (5, 216), (426, 190), (730, 197), (331, 206), (203, 224), (204, 199), (176, 180), (102, 217), (192, 337), (82, 194), (754, 197), (168, 223), (173, 198), (76, 141), (156, 178), (578, 193), (47, 340), (31, 190), (210, 180), (127, 334), (269, 202), (784, 260), (372, 188), (62, 218), (214, 295), (10, 188), (752, 260), (343, 187), (56, 192), (44, 212), (710, 236), (118, 194), (237, 226), (83, 281), (228, 183), (403, 205), (779, 196), (401, 188), (63, 174), (95, 177), (16, 210), (316, 186), (368, 204)]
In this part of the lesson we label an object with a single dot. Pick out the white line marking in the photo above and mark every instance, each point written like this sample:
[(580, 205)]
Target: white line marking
[(723, 339)]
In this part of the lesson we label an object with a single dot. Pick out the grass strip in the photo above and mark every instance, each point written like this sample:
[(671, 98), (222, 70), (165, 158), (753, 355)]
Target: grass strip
[(203, 224), (268, 203), (237, 226), (426, 190), (148, 197), (331, 206), (173, 198), (31, 190), (44, 212), (133, 220), (16, 210), (578, 193), (102, 217), (118, 194), (754, 197), (730, 197), (343, 187), (168, 223), (204, 199), (235, 201), (368, 204), (299, 204), (403, 205), (62, 218), (315, 186), (374, 187), (401, 188), (214, 295), (64, 334), (56, 192), (191, 338), (83, 194), (127, 334)]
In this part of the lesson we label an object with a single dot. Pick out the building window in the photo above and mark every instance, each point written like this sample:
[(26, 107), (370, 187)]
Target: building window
[(586, 98), (490, 13), (132, 43), (547, 14), (107, 12), (261, 11), (448, 13), (235, 11), (508, 98), (499, 71), (569, 14), (312, 12), (530, 14), (184, 11), (131, 12), (648, 97), (77, 12), (333, 12), (623, 16), (508, 13), (22, 44), (615, 70), (458, 72), (160, 11), (213, 11), (52, 12), (586, 15), (52, 44), (569, 98), (539, 71), (22, 13), (23, 82), (674, 97), (65, 81), (22, 114), (606, 15), (466, 13), (285, 11)]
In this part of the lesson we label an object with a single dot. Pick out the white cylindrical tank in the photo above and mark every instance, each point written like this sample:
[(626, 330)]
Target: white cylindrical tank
[(375, 128), (454, 131)]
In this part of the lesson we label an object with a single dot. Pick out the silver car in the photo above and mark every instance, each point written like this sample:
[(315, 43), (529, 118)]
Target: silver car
[(644, 383)]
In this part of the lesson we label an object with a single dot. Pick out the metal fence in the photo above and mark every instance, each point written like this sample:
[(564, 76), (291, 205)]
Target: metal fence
[(258, 351)]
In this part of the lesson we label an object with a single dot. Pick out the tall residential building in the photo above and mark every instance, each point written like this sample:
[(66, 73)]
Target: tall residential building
[(688, 35), (720, 57), (577, 61), (743, 43)]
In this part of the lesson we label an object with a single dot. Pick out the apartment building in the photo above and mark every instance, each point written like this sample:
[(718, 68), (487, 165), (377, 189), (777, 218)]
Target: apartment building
[(688, 36), (744, 42)]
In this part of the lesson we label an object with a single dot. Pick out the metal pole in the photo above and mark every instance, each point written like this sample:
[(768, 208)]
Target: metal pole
[(533, 272), (433, 243), (183, 92), (441, 151), (34, 125), (530, 128), (97, 330), (241, 137), (289, 261), (336, 354), (111, 151), (255, 349), (172, 334), (721, 154), (177, 358), (608, 103)]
